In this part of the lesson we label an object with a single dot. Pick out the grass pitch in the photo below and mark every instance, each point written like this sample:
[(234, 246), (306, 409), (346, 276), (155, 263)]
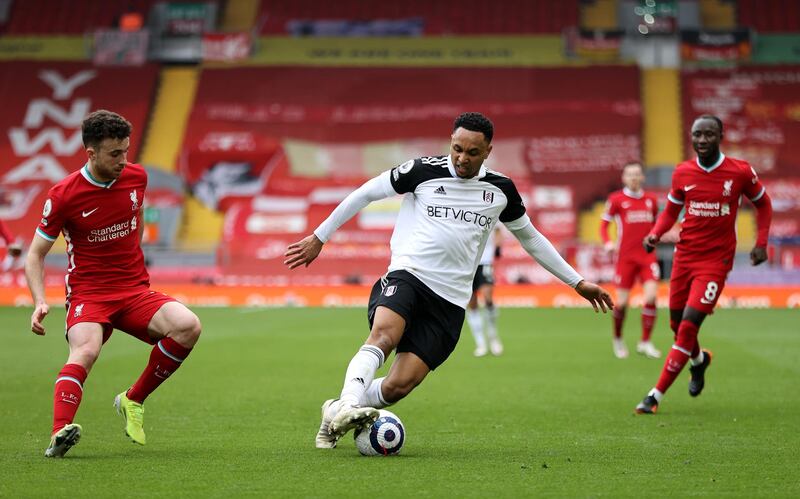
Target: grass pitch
[(551, 417)]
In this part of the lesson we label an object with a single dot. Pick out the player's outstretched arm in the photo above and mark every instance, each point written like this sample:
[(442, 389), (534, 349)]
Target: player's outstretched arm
[(543, 252), (34, 273), (597, 296), (303, 252)]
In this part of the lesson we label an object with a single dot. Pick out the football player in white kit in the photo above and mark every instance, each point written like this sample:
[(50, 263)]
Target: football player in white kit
[(450, 208), (484, 327)]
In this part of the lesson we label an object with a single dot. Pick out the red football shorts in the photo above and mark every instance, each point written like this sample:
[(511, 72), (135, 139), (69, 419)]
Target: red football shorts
[(629, 270), (130, 313), (698, 288)]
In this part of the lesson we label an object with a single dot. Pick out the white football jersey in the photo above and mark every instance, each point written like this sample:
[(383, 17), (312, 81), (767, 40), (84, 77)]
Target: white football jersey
[(487, 258), (445, 222)]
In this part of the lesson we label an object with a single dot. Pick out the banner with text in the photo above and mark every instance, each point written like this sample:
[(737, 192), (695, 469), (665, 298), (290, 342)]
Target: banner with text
[(760, 109), (40, 143)]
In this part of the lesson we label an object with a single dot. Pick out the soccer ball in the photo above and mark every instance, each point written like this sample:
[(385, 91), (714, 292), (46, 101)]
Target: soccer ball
[(385, 437)]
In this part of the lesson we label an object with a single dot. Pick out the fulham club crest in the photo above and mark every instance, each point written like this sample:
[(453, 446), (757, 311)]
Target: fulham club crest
[(488, 197), (390, 290)]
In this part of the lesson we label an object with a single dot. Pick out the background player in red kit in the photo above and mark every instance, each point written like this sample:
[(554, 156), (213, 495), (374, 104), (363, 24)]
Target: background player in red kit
[(14, 249), (634, 212), (98, 209), (709, 189)]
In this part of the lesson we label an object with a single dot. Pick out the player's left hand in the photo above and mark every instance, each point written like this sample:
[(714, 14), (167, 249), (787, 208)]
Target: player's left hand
[(39, 313), (597, 296), (15, 249), (303, 252), (649, 242), (758, 255)]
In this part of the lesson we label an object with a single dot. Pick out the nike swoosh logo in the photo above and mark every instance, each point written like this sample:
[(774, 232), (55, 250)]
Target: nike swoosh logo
[(689, 187), (87, 213)]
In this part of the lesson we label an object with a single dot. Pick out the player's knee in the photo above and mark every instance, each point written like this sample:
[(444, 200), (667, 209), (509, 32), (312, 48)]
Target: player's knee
[(187, 329), (382, 336), (85, 356)]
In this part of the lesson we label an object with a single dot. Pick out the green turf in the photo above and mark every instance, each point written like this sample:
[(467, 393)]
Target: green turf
[(552, 417)]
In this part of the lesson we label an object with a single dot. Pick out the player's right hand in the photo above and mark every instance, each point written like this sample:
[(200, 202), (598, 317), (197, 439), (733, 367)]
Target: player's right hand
[(758, 255), (302, 252), (15, 249), (608, 247), (39, 313), (649, 242)]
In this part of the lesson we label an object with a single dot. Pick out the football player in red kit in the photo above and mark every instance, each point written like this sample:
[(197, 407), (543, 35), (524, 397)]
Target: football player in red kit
[(709, 188), (98, 209), (14, 249), (634, 212)]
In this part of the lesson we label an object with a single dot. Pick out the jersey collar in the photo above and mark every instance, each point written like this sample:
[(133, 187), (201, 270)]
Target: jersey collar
[(89, 178), (452, 169), (632, 194), (712, 167)]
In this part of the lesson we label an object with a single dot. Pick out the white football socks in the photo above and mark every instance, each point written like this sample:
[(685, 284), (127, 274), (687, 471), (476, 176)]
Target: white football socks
[(696, 361), (475, 321), (360, 373), (491, 323), (657, 394), (373, 397)]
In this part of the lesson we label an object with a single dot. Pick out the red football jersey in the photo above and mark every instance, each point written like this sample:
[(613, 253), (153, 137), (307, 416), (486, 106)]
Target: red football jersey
[(634, 213), (100, 222), (710, 198)]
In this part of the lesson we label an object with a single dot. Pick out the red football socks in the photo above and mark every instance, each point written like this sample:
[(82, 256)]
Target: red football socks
[(165, 359), (678, 355), (67, 396), (619, 317), (648, 320)]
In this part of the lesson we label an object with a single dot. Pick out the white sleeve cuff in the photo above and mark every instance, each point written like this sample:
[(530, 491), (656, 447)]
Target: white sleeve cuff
[(759, 195), (673, 199)]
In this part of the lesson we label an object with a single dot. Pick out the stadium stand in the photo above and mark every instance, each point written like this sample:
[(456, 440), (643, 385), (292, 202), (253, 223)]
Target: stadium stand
[(773, 16), (38, 17), (247, 157), (444, 17), (718, 14)]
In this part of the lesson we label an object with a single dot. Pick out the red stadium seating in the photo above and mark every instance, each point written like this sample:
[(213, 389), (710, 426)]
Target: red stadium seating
[(770, 16)]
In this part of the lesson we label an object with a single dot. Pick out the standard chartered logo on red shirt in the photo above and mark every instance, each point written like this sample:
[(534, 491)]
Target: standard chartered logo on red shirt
[(708, 209), (638, 216), (116, 231)]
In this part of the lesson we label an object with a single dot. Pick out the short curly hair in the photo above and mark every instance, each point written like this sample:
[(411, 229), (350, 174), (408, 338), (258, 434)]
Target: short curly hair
[(710, 117), (103, 124), (475, 122)]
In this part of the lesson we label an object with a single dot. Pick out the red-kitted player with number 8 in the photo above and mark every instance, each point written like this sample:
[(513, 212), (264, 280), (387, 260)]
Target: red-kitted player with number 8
[(709, 189)]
